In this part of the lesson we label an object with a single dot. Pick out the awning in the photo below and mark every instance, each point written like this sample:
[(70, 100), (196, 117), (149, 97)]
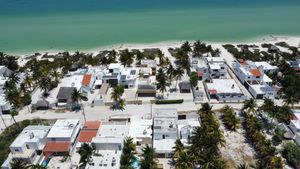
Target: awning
[(58, 146), (87, 136)]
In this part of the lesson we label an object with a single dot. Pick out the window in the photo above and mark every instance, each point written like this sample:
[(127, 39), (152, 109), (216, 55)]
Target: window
[(17, 150)]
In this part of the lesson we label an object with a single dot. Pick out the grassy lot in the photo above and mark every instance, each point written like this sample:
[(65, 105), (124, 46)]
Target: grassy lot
[(11, 132)]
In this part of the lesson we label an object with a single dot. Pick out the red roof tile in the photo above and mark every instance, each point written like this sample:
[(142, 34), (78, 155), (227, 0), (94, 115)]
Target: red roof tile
[(200, 74), (87, 135), (56, 146), (86, 79), (255, 72), (91, 125), (212, 91)]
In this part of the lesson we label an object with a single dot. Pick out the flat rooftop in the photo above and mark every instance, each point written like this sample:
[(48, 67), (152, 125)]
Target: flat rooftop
[(214, 65), (165, 120), (31, 134), (224, 86), (140, 128), (164, 145), (108, 160), (63, 128), (113, 130), (73, 81), (114, 65), (265, 65), (215, 59)]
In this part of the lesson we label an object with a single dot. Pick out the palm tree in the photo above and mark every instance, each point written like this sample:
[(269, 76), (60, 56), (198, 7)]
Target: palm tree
[(250, 106), (18, 164), (186, 47), (205, 108), (161, 79), (116, 95), (178, 73), (86, 151), (44, 84), (148, 161), (28, 82), (126, 57), (170, 72), (14, 98), (177, 148), (14, 78), (128, 151), (77, 97), (229, 118), (56, 75), (184, 160), (290, 98)]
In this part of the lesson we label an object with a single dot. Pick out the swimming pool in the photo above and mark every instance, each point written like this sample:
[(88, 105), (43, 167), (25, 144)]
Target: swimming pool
[(45, 162), (136, 162)]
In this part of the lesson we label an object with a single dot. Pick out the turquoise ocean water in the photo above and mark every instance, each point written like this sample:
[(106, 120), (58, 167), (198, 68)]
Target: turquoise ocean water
[(34, 25)]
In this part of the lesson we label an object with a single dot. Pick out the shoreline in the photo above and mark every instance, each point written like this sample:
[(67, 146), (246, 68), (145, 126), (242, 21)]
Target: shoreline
[(293, 40)]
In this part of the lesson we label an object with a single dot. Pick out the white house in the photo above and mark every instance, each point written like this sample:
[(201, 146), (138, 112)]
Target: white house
[(225, 90), (164, 130), (254, 79), (200, 65), (62, 137), (128, 77), (187, 123), (267, 68), (28, 145), (88, 81), (113, 74), (141, 132), (149, 64), (217, 67), (109, 143)]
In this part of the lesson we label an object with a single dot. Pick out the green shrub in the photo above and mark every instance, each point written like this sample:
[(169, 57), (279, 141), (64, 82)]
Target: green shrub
[(291, 152), (179, 101)]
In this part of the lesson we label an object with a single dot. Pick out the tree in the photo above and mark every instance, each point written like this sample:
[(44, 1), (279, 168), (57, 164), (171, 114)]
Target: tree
[(86, 151), (291, 152), (44, 84), (28, 82), (77, 97), (186, 47), (278, 136), (161, 79), (171, 72), (14, 78), (229, 118), (206, 108), (178, 73), (126, 57), (128, 152), (148, 158), (250, 106), (18, 164), (194, 79), (116, 95)]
